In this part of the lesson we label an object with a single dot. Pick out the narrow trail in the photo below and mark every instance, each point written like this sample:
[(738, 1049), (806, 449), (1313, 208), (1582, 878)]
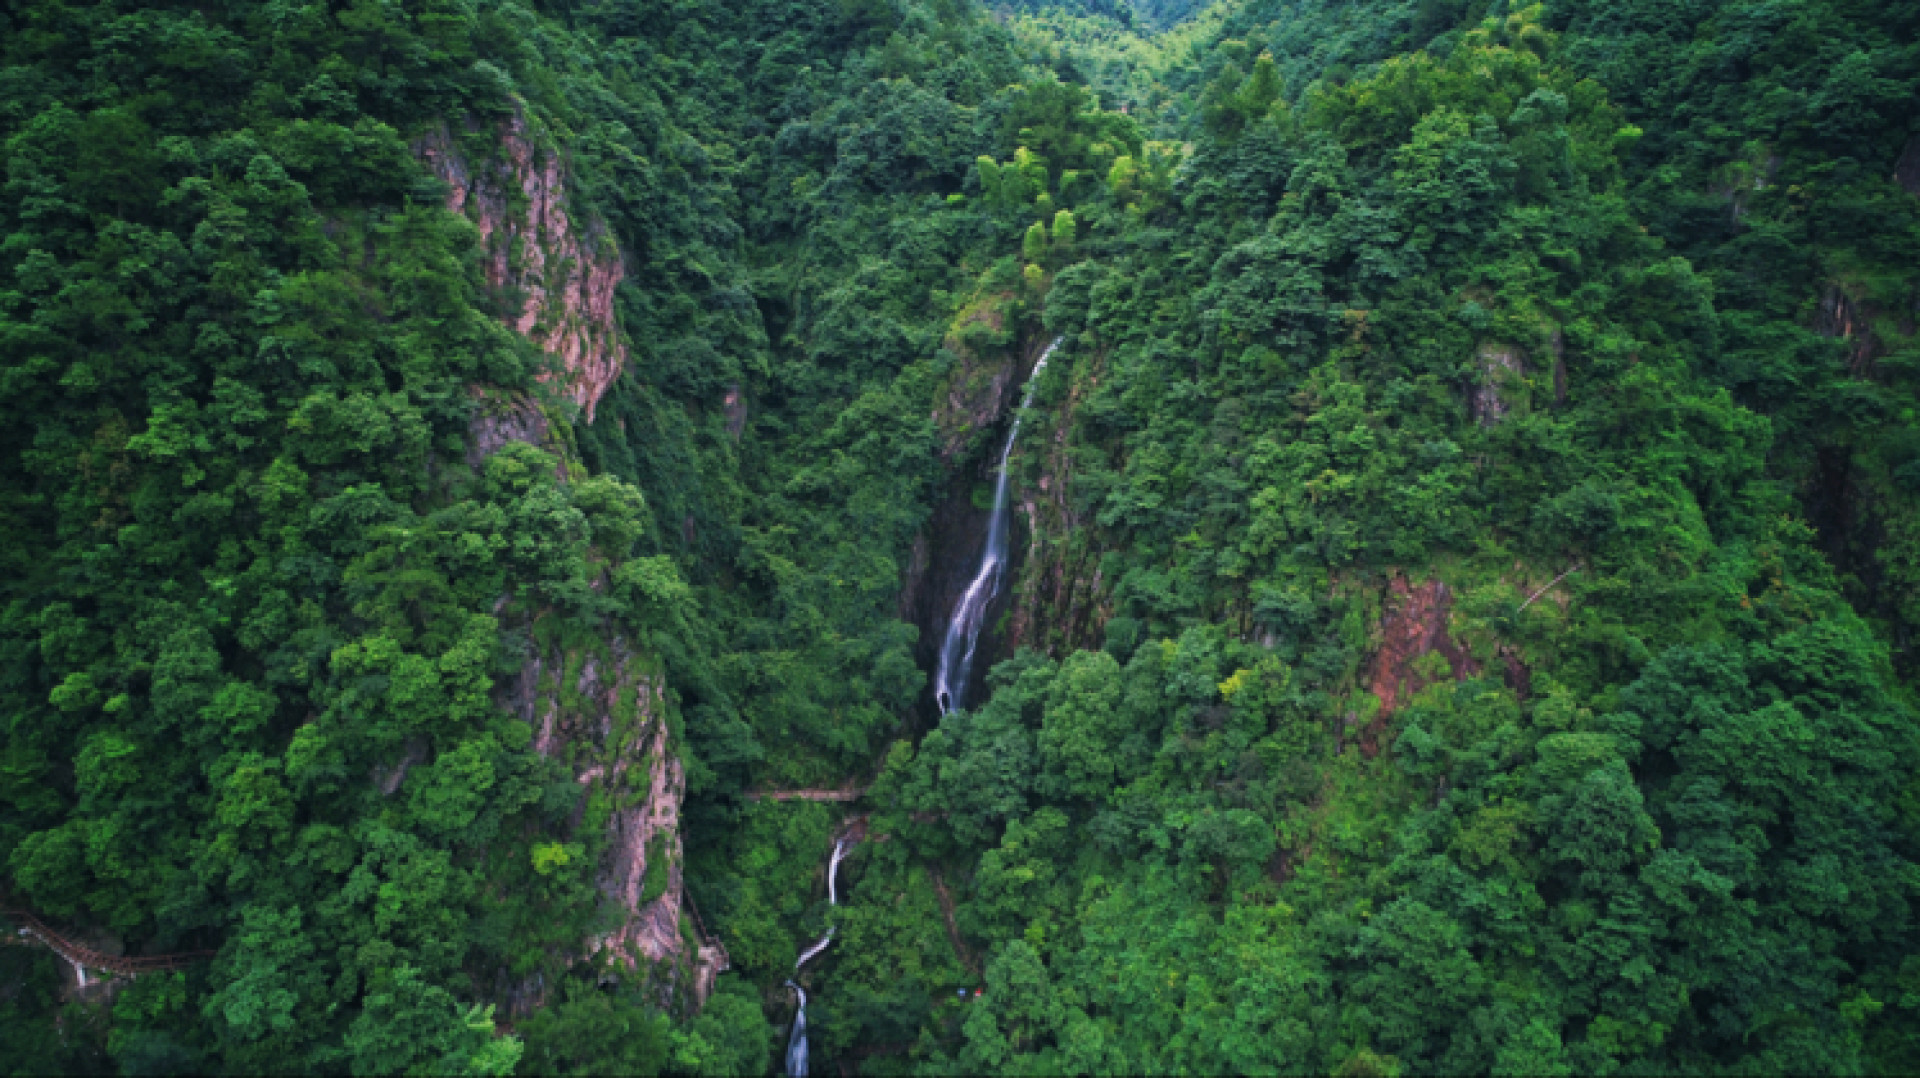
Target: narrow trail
[(960, 951), (851, 793), (83, 957)]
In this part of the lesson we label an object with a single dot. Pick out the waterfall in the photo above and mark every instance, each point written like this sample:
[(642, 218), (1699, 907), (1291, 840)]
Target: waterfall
[(963, 631), (797, 1040), (833, 869)]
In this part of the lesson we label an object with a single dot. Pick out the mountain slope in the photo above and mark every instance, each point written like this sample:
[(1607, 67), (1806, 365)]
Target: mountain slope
[(461, 458)]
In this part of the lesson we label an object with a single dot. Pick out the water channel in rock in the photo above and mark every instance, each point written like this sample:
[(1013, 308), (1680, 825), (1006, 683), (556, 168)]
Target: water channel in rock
[(962, 638)]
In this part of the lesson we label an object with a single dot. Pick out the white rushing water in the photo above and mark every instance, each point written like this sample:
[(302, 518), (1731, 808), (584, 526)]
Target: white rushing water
[(963, 631), (949, 681), (797, 1040)]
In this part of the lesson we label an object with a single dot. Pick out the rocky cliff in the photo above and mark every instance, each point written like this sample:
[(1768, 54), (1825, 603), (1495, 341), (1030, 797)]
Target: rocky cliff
[(1864, 323), (1414, 622), (556, 274), (983, 385), (1063, 602), (1501, 371), (603, 713), (598, 709)]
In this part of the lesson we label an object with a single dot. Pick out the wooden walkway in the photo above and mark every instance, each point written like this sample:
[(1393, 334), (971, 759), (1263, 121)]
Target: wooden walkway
[(707, 939), (88, 958), (851, 793)]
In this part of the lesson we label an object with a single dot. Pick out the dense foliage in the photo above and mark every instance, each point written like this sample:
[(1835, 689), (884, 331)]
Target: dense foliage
[(1467, 585)]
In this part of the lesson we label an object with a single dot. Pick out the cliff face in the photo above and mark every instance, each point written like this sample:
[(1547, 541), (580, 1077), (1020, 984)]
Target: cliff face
[(1413, 624), (1502, 368), (500, 418), (982, 386), (1906, 171), (557, 275), (606, 719), (597, 710), (1062, 602), (1841, 315)]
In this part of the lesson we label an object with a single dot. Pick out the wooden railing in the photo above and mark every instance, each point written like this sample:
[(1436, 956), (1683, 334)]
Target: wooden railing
[(850, 793), (88, 958)]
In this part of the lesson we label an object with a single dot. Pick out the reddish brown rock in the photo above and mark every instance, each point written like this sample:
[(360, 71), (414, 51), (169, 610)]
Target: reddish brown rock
[(563, 272), (1412, 625)]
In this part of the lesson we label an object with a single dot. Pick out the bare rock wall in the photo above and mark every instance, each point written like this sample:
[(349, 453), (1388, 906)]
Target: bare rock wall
[(605, 718), (558, 273)]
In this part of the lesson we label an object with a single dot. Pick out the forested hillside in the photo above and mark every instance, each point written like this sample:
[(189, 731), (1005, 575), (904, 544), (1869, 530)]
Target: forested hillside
[(488, 485)]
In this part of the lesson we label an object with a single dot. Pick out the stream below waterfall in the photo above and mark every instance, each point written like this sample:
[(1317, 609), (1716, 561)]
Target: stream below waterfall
[(962, 639), (797, 1040), (949, 681)]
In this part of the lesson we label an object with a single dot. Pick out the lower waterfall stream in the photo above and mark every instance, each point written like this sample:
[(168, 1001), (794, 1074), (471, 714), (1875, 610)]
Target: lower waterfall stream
[(949, 681), (797, 1040)]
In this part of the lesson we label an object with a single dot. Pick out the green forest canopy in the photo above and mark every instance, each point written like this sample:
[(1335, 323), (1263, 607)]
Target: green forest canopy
[(1468, 570)]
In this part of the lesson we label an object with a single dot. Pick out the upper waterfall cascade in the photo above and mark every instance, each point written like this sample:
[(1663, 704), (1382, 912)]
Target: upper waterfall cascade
[(957, 648)]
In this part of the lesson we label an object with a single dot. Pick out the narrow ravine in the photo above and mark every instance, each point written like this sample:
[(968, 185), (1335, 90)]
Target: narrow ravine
[(950, 682), (962, 638)]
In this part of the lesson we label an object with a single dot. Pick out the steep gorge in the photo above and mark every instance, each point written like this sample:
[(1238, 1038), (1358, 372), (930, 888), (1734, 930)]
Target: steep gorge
[(1433, 483)]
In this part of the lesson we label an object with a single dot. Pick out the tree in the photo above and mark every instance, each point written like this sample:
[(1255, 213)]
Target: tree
[(412, 1027)]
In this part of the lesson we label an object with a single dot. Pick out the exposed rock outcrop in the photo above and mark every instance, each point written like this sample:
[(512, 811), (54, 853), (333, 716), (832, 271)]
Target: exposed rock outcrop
[(1413, 624), (605, 717), (981, 387), (1557, 345), (501, 418), (599, 710), (1742, 179), (557, 275), (1906, 171), (1062, 602), (1840, 315), (387, 778), (1500, 370), (734, 406)]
